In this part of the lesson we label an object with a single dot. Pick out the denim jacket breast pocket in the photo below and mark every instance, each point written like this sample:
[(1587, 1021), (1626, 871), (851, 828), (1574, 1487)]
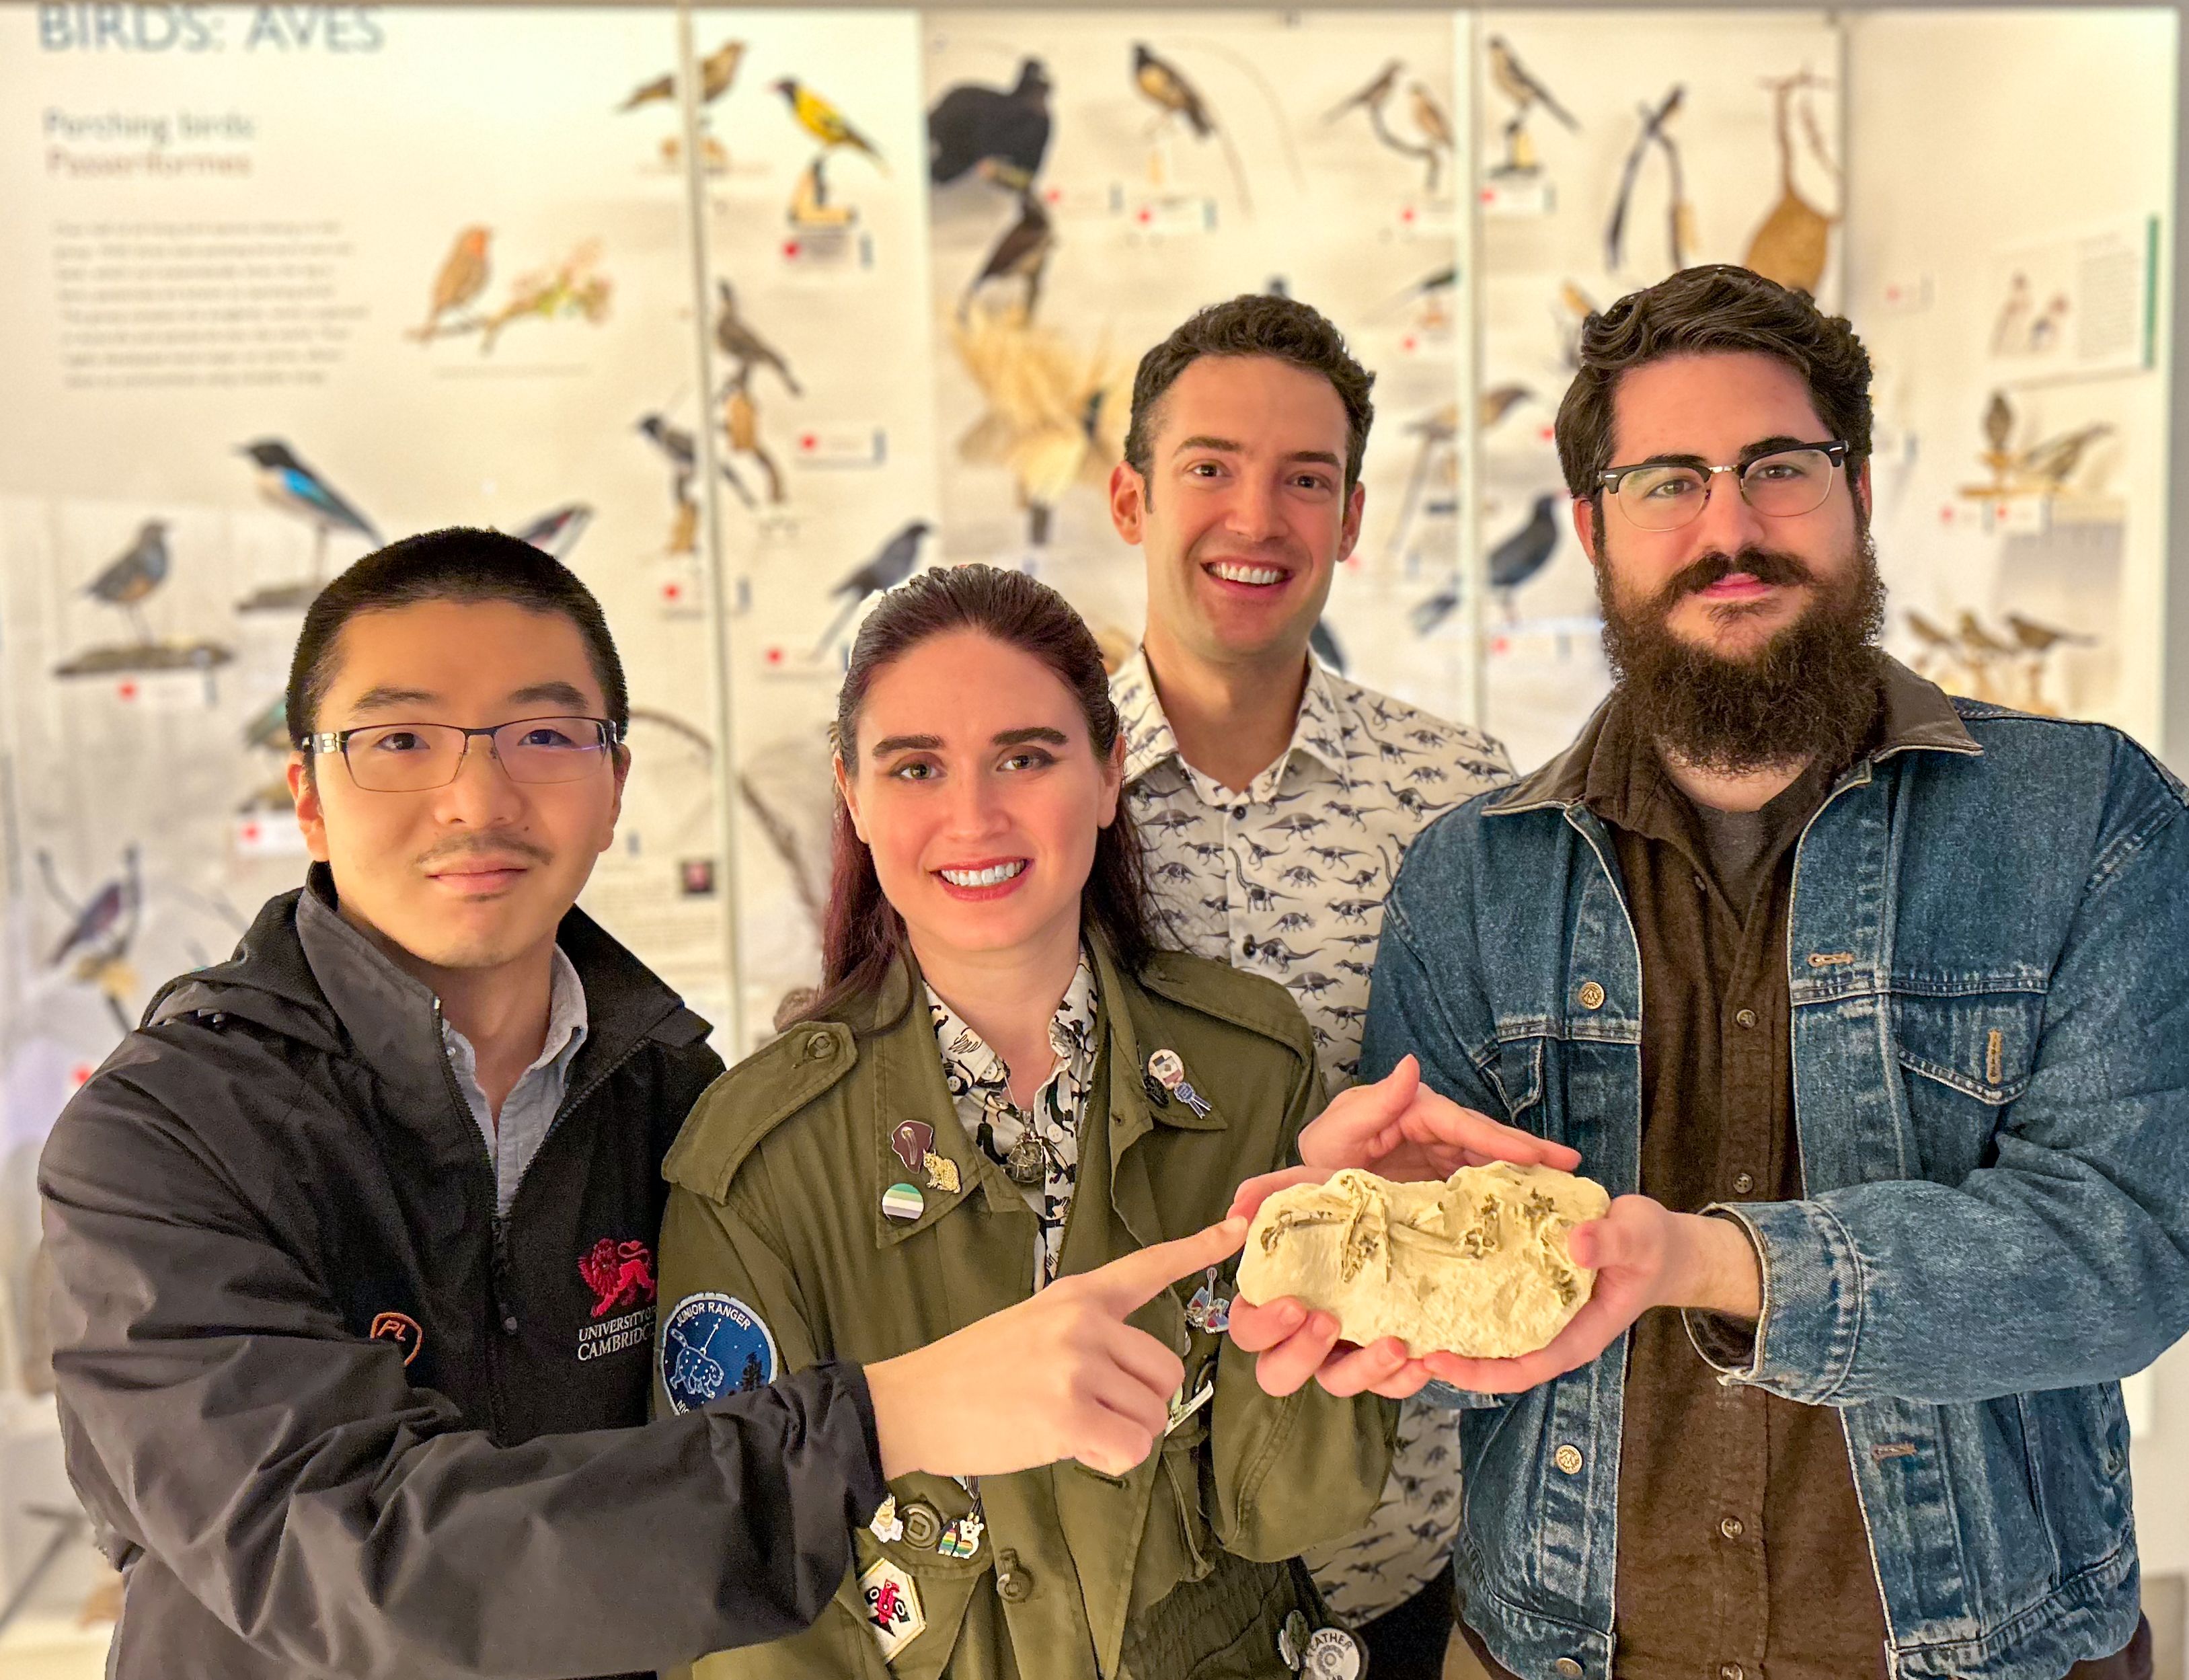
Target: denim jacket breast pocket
[(1970, 1052)]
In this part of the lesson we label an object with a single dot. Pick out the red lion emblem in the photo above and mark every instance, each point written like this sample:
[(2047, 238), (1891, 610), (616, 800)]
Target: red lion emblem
[(620, 1274), (889, 1605)]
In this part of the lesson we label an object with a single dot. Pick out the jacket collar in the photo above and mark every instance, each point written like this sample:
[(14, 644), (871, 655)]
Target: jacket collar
[(1318, 731), (907, 1085), (1917, 716), (392, 1020)]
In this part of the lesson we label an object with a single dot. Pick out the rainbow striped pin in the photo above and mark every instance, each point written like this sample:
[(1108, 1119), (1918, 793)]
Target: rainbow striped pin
[(903, 1202)]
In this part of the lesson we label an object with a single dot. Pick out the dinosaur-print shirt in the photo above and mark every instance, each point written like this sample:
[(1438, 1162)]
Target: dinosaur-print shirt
[(1046, 1136), (1287, 879)]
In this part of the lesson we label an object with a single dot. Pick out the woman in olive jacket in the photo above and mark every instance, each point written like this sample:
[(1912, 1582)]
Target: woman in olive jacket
[(1002, 1087)]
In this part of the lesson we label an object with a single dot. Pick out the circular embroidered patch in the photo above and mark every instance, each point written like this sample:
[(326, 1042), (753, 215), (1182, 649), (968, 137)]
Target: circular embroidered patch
[(713, 1345)]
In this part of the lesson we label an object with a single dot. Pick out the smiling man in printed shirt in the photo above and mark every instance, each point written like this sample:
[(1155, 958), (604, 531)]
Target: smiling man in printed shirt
[(1277, 797)]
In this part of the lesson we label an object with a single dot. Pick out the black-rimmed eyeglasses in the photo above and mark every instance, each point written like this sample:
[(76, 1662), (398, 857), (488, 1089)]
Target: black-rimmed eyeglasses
[(1661, 496), (409, 758)]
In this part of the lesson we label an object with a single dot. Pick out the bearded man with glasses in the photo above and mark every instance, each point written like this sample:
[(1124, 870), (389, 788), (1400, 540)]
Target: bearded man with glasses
[(1869, 1005)]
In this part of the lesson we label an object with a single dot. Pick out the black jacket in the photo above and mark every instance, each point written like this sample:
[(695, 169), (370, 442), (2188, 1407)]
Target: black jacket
[(329, 1412)]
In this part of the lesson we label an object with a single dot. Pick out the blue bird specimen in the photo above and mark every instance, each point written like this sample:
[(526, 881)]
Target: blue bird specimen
[(134, 573), (103, 927), (289, 484), (557, 533)]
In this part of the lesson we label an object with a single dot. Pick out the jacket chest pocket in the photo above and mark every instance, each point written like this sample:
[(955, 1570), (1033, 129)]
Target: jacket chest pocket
[(1180, 1544), (1517, 1070), (1981, 1046)]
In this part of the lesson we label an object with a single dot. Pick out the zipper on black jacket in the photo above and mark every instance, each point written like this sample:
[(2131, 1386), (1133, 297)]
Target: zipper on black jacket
[(503, 1320)]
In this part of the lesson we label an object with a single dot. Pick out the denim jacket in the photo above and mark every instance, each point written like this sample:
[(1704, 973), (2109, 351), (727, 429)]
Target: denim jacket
[(1989, 955)]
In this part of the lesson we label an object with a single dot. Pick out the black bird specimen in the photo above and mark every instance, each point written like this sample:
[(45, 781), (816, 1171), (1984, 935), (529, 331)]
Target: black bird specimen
[(892, 564), (1008, 130)]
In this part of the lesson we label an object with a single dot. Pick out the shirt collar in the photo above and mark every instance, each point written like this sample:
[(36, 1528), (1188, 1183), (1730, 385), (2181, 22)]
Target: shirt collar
[(1914, 715), (1070, 1034), (1319, 731), (567, 1021)]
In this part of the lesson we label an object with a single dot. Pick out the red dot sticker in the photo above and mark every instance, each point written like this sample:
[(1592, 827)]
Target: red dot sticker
[(1146, 217), (80, 1073), (1489, 194), (1407, 215), (251, 832), (1407, 343), (670, 591), (1550, 434), (128, 691), (1054, 195), (790, 247), (775, 656), (1501, 645), (809, 443)]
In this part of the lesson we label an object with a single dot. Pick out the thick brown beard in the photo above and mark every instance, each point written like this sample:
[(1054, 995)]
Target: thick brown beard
[(1807, 694)]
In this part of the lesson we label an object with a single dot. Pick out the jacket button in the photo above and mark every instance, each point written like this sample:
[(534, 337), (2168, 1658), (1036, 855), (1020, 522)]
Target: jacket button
[(1733, 1528), (922, 1527), (819, 1046), (1746, 1017), (1730, 1671), (509, 1324), (1567, 1459), (1567, 1668), (1012, 1581), (1743, 1182), (1592, 995)]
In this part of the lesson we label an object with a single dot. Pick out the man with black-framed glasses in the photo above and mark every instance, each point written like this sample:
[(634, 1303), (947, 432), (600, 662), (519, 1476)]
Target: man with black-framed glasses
[(1867, 1003), (355, 1235)]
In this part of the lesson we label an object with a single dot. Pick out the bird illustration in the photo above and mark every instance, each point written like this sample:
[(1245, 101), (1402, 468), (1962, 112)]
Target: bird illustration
[(1008, 129), (2052, 462), (1526, 552), (134, 573), (1165, 86), (716, 72), (286, 482), (462, 278), (2046, 327), (892, 563), (1373, 96), (735, 339), (822, 121), (1022, 253), (557, 532)]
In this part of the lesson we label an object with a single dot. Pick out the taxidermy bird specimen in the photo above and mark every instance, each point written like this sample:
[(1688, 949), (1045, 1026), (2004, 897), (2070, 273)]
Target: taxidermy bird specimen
[(1427, 287), (677, 447), (716, 72), (1795, 241), (809, 201), (1511, 79), (891, 564), (1022, 254), (462, 278), (2045, 468), (2048, 465), (1432, 125), (1007, 130), (286, 482), (1680, 215), (743, 347), (1323, 646), (134, 573), (557, 532), (96, 947), (1055, 419), (1165, 86), (1526, 552)]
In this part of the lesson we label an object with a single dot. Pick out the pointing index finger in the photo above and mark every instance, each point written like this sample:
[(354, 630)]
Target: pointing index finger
[(1137, 1278)]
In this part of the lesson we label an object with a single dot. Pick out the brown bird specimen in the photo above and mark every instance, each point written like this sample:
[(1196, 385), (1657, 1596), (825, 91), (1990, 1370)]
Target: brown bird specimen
[(1427, 116), (1372, 95), (1998, 433), (1794, 242), (1937, 649), (1511, 79), (1022, 253), (2049, 464), (744, 348), (2042, 638), (1500, 400), (716, 72), (1162, 85), (462, 277)]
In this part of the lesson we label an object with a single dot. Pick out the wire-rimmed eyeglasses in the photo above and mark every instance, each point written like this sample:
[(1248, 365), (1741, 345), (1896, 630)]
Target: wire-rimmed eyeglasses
[(1661, 496), (409, 758)]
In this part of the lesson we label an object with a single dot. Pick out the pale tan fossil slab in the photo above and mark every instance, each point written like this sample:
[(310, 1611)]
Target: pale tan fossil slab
[(1476, 1265)]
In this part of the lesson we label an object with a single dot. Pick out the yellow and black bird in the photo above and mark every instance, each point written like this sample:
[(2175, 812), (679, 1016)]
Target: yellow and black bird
[(1022, 253), (735, 339), (1511, 78), (462, 278), (822, 121), (716, 72), (1165, 86)]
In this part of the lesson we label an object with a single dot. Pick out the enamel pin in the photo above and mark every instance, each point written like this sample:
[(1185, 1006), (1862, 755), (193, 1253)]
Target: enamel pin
[(911, 1141)]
